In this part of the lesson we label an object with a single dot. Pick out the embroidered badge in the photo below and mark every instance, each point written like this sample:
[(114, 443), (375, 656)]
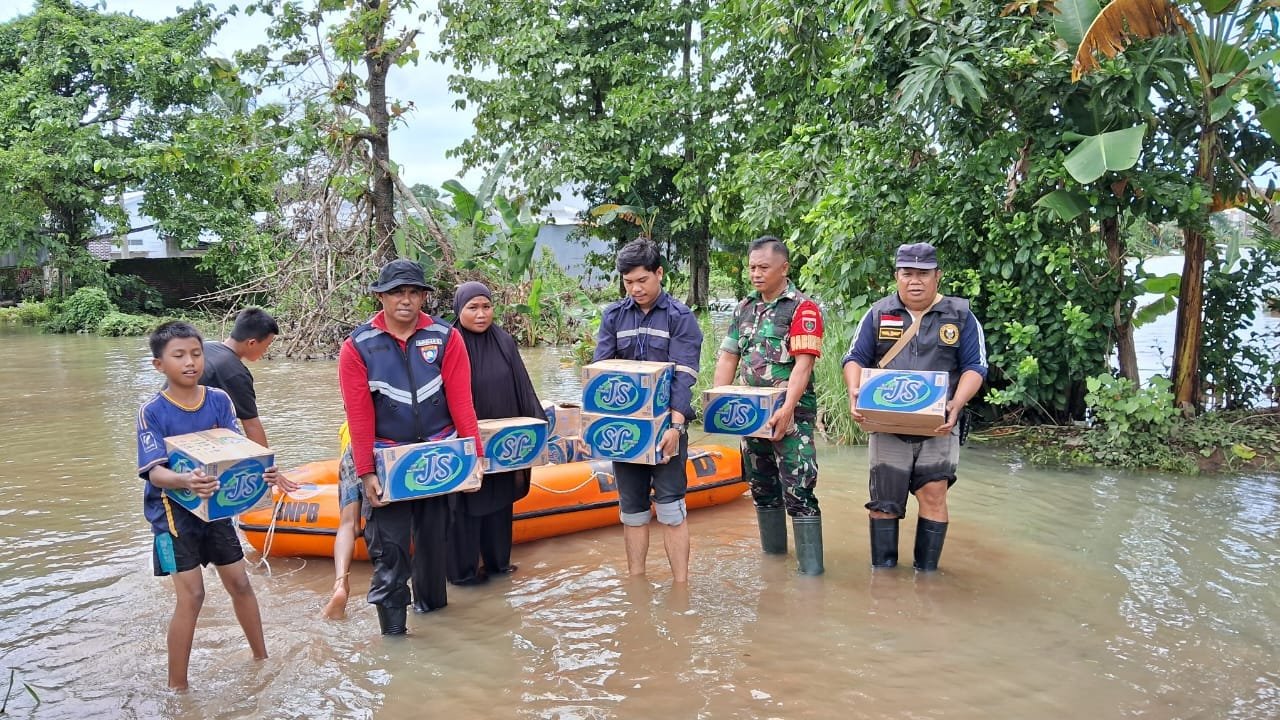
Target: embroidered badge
[(810, 324), (890, 333), (430, 349), (949, 334), (888, 320)]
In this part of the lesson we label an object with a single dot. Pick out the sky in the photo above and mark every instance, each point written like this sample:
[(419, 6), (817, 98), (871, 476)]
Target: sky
[(418, 145)]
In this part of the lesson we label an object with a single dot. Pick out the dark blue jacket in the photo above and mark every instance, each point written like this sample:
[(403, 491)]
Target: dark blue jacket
[(950, 338), (407, 387), (669, 332)]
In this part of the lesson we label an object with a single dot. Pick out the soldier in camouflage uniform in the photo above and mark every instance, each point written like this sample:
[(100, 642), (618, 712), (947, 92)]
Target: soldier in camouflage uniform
[(773, 341)]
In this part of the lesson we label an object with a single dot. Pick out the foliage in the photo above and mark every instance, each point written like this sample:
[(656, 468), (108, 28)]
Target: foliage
[(131, 294), (118, 324), (1133, 425), (28, 312), (1239, 364), (621, 101), (94, 104), (82, 311)]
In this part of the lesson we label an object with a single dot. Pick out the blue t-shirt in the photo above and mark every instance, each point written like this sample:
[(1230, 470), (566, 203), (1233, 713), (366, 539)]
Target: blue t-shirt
[(159, 418)]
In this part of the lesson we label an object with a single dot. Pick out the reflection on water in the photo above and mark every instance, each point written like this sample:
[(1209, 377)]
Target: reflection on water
[(1063, 594)]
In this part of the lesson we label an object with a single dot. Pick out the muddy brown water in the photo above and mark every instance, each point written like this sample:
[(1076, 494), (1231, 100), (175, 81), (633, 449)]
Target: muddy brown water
[(1085, 594)]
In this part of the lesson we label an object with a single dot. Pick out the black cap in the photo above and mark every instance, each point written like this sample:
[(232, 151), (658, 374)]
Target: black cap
[(400, 272), (921, 256)]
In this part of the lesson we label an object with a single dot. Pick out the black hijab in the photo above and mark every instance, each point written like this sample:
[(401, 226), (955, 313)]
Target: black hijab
[(500, 388), (500, 384)]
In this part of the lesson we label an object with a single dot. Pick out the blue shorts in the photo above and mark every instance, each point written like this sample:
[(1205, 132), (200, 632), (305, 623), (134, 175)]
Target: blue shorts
[(350, 489), (214, 542), (641, 485)]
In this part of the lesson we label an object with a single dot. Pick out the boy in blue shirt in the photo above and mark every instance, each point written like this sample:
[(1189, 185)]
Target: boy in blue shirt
[(183, 542)]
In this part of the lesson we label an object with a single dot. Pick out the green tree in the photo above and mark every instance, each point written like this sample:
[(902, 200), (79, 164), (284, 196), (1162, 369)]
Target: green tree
[(93, 104), (617, 100), (1222, 116)]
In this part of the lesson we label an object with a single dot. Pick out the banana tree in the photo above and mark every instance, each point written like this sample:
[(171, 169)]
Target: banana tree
[(1229, 50)]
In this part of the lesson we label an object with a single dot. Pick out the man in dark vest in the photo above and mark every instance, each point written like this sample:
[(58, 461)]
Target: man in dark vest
[(774, 340), (405, 378), (948, 338)]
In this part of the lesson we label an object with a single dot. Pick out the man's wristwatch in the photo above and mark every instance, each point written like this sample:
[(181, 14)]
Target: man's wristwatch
[(680, 428)]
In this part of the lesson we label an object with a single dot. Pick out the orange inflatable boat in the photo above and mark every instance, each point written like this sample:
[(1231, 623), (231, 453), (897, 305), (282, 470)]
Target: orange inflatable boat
[(563, 499)]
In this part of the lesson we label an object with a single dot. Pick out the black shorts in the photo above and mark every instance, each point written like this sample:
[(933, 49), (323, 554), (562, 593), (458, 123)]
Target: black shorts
[(215, 542), (667, 482)]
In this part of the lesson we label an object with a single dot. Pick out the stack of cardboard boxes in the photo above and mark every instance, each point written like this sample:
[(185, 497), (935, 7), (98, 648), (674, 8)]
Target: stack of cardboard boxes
[(564, 421), (626, 409)]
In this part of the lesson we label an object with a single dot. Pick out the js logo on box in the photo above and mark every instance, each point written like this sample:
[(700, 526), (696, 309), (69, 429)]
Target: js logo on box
[(240, 483), (615, 394), (906, 393), (733, 414), (435, 468)]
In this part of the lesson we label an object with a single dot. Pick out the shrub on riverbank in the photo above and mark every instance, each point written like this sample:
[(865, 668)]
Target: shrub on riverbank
[(1228, 441), (82, 311), (28, 312), (118, 324)]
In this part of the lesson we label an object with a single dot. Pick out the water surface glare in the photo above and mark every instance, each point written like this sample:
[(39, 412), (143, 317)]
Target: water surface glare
[(1085, 594)]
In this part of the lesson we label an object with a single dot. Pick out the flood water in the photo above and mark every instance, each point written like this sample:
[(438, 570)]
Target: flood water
[(1090, 594)]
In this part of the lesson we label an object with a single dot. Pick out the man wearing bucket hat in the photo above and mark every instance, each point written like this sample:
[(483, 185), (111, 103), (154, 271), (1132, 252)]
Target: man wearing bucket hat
[(916, 328), (405, 377)]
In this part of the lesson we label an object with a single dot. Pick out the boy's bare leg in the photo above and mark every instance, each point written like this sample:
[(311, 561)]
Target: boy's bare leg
[(236, 580), (344, 545), (189, 588)]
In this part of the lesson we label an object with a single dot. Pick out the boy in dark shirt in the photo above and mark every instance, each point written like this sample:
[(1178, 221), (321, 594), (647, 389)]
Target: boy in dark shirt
[(183, 542), (224, 366)]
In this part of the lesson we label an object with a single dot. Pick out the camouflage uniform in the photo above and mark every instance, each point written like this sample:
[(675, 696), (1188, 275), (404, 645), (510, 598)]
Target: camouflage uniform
[(786, 471)]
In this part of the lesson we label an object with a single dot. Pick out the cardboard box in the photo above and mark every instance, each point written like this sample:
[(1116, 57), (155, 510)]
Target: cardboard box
[(568, 419), (549, 413), (906, 402), (419, 470), (741, 409), (624, 438), (513, 443), (236, 461), (626, 387), (561, 450)]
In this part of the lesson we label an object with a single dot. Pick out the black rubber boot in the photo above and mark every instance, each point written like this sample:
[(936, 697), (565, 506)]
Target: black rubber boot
[(884, 542), (929, 537), (391, 620), (773, 530), (808, 532)]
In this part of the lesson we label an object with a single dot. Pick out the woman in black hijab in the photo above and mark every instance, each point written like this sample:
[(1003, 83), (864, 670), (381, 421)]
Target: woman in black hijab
[(501, 388)]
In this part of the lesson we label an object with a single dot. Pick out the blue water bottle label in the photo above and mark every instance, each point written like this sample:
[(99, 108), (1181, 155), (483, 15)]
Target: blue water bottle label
[(164, 551)]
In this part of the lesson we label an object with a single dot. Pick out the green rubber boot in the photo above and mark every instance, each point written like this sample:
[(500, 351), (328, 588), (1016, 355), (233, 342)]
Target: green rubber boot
[(808, 532), (773, 530)]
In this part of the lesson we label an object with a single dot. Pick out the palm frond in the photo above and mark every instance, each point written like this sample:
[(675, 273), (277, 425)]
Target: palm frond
[(1119, 24)]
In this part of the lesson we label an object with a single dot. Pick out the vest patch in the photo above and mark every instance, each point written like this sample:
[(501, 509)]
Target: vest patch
[(890, 333), (429, 347), (949, 334)]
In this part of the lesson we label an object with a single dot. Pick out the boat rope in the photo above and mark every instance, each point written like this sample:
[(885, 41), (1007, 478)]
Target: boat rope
[(595, 474), (270, 536)]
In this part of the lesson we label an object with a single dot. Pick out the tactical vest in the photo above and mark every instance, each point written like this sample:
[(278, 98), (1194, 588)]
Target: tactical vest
[(764, 355), (936, 345), (407, 385)]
